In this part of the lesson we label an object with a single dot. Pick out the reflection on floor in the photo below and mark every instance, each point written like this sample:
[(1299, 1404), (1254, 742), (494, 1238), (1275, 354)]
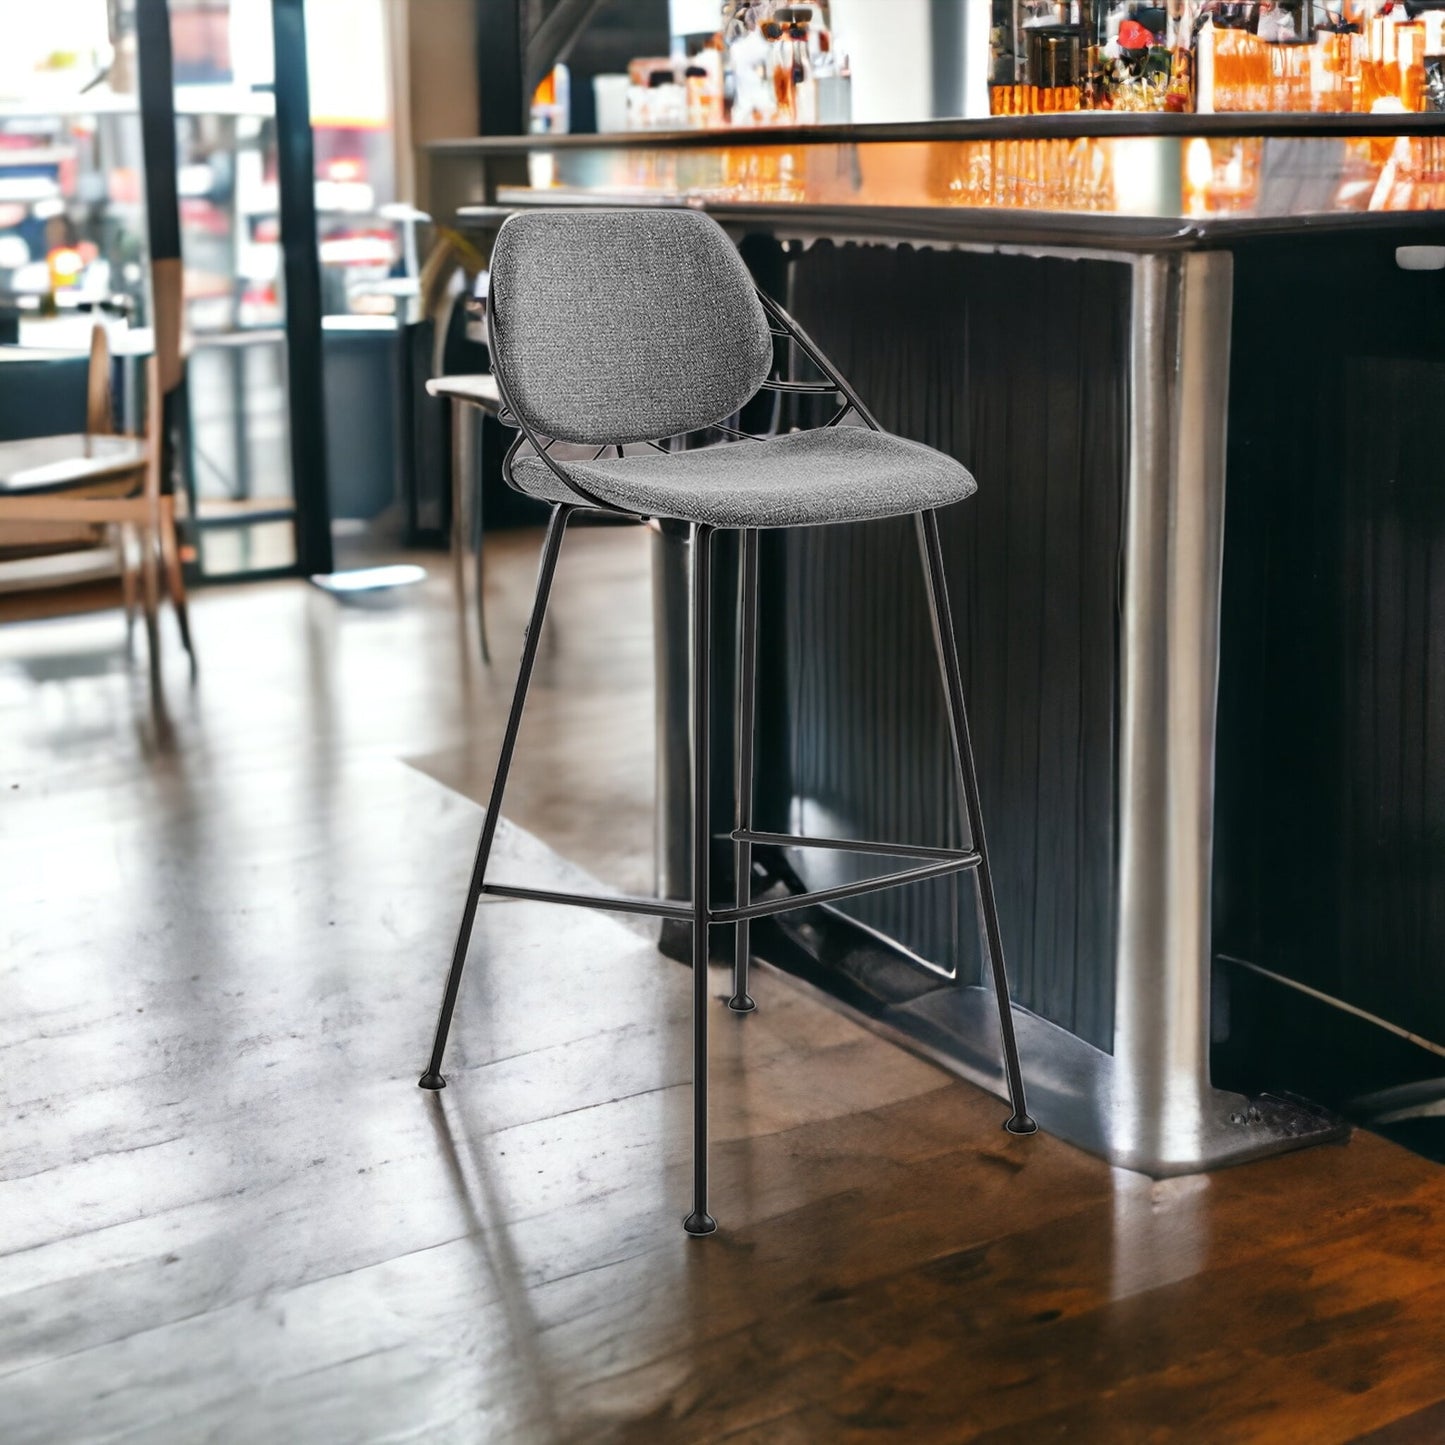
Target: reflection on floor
[(226, 1211), (583, 779)]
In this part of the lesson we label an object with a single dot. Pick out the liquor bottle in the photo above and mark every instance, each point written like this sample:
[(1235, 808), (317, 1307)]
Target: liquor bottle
[(750, 59), (1054, 55), (805, 91), (779, 69), (703, 85), (552, 102)]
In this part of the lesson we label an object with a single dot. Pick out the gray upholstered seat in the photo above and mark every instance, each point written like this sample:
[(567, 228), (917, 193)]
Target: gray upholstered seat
[(621, 326), (610, 327), (801, 479)]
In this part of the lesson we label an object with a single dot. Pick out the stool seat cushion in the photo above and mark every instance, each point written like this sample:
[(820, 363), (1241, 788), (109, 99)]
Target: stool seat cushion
[(800, 479), (616, 326)]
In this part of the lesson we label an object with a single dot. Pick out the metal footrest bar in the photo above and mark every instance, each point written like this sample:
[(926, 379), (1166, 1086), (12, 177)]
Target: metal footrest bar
[(802, 388), (607, 902), (943, 863), (850, 845), (954, 863)]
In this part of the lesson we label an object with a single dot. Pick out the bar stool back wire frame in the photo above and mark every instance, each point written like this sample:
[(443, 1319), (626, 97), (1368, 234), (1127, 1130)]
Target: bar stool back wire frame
[(700, 912)]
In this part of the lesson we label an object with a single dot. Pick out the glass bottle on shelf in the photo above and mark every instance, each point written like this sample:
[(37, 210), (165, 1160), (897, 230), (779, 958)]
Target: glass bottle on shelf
[(749, 60), (778, 98), (1054, 50), (1054, 53), (703, 87), (552, 102), (780, 67), (804, 86)]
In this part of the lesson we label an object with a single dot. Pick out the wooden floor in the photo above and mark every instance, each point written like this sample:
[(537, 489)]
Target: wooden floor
[(228, 1214)]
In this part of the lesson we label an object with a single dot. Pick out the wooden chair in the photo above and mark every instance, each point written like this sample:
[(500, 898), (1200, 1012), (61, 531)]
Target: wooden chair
[(24, 543), (95, 491)]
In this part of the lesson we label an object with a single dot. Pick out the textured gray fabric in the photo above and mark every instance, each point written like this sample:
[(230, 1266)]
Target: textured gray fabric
[(802, 479), (620, 326)]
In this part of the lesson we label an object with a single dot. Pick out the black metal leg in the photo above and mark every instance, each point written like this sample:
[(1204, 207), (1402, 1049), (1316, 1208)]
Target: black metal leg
[(947, 646), (433, 1079), (700, 1221), (740, 1002)]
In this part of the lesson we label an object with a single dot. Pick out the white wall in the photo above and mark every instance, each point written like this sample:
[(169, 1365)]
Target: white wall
[(975, 58), (694, 17), (440, 78), (889, 43)]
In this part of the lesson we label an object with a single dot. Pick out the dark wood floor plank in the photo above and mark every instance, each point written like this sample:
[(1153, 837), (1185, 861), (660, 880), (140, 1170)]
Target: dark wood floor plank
[(1056, 1319), (1419, 1427)]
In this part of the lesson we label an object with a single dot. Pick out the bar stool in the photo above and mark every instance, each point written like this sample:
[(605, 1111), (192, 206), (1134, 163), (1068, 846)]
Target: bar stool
[(610, 328), (468, 395)]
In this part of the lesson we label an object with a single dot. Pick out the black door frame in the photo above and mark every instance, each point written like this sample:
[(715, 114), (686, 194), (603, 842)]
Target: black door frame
[(301, 270)]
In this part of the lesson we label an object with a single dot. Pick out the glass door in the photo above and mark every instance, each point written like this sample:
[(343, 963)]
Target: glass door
[(73, 236), (367, 250), (228, 157), (239, 462)]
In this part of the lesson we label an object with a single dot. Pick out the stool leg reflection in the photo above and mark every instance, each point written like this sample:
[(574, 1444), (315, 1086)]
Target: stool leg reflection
[(741, 1002)]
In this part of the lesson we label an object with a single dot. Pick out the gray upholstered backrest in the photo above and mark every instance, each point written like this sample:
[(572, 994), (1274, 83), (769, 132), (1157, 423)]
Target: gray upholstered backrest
[(620, 326)]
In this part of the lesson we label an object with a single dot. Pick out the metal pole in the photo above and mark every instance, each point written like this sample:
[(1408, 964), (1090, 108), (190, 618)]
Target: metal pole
[(1169, 669)]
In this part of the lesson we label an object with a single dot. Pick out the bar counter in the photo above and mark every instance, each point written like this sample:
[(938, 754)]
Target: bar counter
[(1204, 732)]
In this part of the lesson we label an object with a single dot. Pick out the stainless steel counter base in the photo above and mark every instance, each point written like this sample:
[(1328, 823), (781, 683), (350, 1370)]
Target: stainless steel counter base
[(1090, 1098), (1150, 1104)]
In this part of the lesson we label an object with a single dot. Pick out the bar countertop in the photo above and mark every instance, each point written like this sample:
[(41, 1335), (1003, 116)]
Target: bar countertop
[(1075, 126), (1101, 182), (980, 225)]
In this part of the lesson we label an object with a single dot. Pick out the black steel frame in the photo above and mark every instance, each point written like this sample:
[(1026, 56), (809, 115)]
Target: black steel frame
[(158, 128), (301, 270), (699, 911)]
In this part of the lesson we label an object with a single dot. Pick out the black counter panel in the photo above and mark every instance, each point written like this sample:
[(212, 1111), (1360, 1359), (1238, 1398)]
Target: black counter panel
[(1018, 367), (1330, 838)]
